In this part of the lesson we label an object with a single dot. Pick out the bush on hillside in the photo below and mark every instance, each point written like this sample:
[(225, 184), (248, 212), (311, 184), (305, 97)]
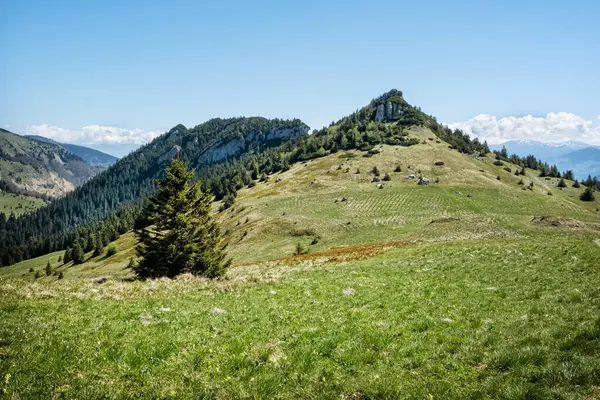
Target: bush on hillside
[(498, 163), (387, 177), (112, 250), (300, 249), (439, 163), (587, 195), (562, 183), (398, 169)]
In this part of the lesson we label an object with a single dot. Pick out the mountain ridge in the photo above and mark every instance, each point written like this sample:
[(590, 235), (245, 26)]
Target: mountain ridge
[(39, 169), (570, 155), (91, 156)]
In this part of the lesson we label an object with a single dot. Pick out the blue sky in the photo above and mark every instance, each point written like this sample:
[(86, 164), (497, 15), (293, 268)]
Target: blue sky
[(119, 72)]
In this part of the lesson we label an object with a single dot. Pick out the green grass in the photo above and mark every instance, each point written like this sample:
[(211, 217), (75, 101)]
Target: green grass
[(479, 302), (18, 204), (503, 318)]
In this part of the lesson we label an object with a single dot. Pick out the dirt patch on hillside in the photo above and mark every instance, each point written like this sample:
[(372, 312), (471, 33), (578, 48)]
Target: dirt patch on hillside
[(560, 222), (339, 254), (444, 219)]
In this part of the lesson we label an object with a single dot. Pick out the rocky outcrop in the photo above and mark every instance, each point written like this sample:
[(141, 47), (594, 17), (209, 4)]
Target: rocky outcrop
[(232, 147), (389, 111), (222, 151), (169, 155)]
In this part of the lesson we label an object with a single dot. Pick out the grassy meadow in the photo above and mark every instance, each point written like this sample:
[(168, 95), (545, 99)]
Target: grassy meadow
[(452, 290), (500, 318), (18, 204)]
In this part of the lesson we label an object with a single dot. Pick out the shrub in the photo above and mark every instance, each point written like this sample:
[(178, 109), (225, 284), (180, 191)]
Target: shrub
[(439, 163), (507, 169), (251, 184), (562, 183), (521, 182), (498, 177), (31, 269), (375, 171), (37, 274), (315, 240), (549, 193), (387, 177), (576, 184), (300, 249), (587, 195), (498, 163), (61, 275), (397, 169), (112, 250), (229, 200), (357, 171)]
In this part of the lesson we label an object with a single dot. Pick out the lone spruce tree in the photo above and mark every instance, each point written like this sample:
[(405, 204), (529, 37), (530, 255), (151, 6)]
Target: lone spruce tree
[(180, 235)]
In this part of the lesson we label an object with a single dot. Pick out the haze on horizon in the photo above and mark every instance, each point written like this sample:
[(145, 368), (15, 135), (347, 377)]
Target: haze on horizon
[(114, 75)]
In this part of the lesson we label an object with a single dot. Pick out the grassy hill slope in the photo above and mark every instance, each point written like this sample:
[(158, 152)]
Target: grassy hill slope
[(456, 289), (18, 204), (324, 203)]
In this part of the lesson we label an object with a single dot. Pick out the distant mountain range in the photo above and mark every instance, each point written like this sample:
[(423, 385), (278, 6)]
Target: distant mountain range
[(40, 168), (90, 156), (582, 158)]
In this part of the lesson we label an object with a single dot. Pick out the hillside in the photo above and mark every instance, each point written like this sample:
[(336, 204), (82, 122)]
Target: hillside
[(468, 288), (40, 169), (90, 156), (18, 204), (231, 154), (331, 201), (110, 199)]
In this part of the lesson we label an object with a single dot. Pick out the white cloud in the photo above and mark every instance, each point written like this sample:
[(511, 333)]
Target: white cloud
[(553, 128), (94, 134)]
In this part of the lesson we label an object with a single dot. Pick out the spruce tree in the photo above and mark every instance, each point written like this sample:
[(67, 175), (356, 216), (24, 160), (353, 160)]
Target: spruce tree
[(99, 248), (68, 257), (48, 269), (587, 195), (77, 254), (181, 235)]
